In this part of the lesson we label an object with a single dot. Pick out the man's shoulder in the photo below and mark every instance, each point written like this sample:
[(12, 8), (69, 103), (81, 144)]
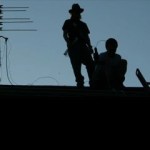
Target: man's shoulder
[(118, 56), (67, 20), (82, 22), (102, 54), (66, 24)]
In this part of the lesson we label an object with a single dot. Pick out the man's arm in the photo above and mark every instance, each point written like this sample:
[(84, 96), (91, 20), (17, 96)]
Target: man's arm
[(69, 43), (84, 34), (65, 35), (88, 42)]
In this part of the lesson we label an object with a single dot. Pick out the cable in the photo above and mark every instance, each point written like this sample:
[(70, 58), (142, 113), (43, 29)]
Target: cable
[(7, 62), (0, 55), (0, 62), (99, 42), (4, 37), (7, 70), (43, 78)]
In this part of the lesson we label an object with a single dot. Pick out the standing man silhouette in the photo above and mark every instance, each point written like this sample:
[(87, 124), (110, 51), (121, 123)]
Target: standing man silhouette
[(76, 35)]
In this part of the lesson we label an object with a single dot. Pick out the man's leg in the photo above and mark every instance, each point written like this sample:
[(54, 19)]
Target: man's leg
[(76, 65), (120, 78), (90, 65), (123, 70)]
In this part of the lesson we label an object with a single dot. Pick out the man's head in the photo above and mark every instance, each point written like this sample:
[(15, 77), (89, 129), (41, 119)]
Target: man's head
[(76, 11), (111, 46)]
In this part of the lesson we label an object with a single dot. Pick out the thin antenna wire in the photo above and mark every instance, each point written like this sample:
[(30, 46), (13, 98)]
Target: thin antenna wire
[(18, 30), (15, 10), (15, 7), (14, 18), (16, 22)]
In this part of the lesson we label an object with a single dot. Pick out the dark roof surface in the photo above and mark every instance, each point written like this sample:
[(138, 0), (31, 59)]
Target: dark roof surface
[(71, 94)]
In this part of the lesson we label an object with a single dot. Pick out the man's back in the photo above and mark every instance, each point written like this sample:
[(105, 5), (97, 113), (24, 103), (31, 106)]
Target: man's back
[(113, 61)]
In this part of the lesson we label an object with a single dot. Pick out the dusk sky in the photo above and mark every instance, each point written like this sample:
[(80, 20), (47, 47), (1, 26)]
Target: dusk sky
[(36, 57)]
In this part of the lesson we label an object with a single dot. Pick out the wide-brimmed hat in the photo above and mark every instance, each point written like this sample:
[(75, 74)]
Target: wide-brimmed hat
[(76, 8)]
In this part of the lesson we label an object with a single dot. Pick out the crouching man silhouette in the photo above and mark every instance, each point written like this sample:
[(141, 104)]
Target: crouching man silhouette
[(110, 68)]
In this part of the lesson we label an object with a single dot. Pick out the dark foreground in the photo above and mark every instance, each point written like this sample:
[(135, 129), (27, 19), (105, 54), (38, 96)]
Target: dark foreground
[(70, 94)]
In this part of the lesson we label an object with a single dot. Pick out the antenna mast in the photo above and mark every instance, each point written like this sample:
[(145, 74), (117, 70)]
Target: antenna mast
[(13, 20)]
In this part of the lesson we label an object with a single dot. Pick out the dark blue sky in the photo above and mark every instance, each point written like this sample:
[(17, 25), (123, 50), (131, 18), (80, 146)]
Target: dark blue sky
[(36, 57)]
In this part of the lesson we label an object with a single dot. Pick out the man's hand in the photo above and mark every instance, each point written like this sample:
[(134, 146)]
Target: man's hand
[(90, 49), (70, 44)]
